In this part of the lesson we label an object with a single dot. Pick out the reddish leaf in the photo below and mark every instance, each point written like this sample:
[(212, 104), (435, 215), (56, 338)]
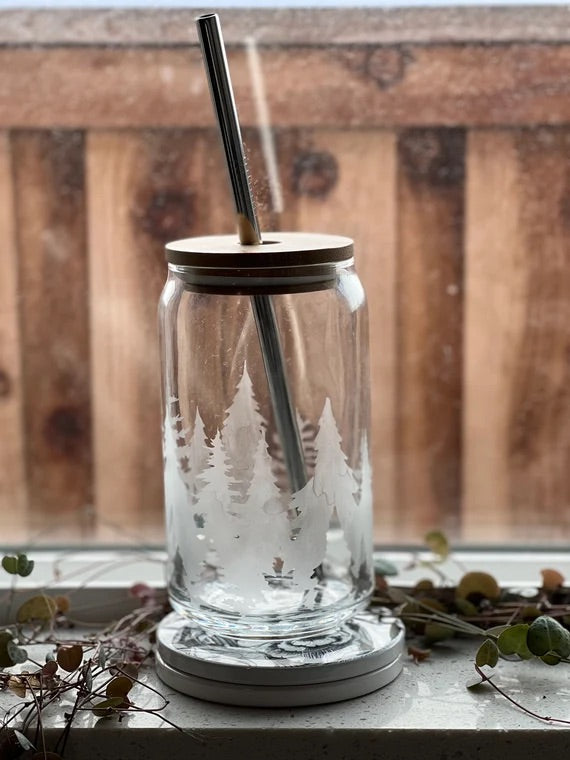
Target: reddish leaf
[(69, 657), (551, 579), (418, 655)]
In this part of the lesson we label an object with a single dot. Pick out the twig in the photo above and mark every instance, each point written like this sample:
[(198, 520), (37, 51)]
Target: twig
[(40, 725), (546, 718)]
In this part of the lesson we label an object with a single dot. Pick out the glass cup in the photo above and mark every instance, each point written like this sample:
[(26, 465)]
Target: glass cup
[(249, 554)]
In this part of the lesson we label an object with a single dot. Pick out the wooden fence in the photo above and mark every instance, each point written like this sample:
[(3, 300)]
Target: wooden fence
[(441, 143)]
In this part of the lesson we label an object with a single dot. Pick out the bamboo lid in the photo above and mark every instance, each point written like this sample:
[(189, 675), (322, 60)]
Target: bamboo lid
[(279, 251)]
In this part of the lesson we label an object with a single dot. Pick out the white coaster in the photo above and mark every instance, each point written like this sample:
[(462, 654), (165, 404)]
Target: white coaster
[(360, 657)]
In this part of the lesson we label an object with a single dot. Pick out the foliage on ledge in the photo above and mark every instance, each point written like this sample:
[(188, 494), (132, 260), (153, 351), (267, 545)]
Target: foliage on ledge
[(517, 625), (95, 673), (100, 673)]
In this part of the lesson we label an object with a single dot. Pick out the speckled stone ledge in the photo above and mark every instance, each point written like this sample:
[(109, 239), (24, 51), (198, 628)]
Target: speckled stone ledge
[(427, 713)]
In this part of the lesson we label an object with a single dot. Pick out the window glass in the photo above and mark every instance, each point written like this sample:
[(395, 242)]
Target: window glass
[(436, 137)]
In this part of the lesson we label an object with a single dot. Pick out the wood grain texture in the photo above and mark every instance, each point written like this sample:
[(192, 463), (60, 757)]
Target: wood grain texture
[(360, 85), (13, 488), (285, 26), (145, 188), (517, 336), (53, 291), (345, 183), (429, 332)]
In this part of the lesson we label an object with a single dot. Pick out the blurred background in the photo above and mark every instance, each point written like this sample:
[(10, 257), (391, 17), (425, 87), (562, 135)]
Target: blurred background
[(438, 138)]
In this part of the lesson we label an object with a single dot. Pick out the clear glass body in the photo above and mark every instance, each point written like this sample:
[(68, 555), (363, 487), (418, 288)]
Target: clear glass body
[(248, 555)]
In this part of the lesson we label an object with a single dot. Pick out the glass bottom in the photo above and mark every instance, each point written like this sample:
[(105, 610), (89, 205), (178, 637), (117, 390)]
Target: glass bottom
[(213, 607)]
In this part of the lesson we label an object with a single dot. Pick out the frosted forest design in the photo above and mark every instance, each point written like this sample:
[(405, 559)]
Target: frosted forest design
[(230, 522)]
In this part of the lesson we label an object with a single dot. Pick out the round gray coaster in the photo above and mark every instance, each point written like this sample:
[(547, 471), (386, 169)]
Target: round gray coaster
[(358, 658)]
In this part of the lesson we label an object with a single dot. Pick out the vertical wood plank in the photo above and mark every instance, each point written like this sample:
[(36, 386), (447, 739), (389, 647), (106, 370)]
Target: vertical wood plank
[(13, 491), (145, 188), (344, 182), (50, 218), (517, 336), (429, 335)]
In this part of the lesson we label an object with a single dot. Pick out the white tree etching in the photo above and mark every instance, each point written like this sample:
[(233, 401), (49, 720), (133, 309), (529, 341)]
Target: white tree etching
[(174, 490), (333, 487), (194, 457), (361, 535), (215, 504), (307, 550), (333, 477), (335, 480), (260, 535), (179, 522), (242, 429)]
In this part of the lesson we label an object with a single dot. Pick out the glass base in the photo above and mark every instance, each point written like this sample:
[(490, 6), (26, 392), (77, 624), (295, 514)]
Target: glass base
[(357, 658)]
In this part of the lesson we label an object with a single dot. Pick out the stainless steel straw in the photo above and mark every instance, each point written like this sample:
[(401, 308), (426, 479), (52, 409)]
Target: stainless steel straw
[(214, 54)]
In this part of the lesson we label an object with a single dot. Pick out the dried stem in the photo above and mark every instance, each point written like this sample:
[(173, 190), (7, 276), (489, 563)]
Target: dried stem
[(546, 718)]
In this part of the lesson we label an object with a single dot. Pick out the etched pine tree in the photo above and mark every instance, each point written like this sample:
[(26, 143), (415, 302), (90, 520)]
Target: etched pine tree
[(242, 429), (307, 549), (175, 492), (214, 503), (333, 486), (195, 456), (336, 484), (262, 534), (336, 481), (362, 527)]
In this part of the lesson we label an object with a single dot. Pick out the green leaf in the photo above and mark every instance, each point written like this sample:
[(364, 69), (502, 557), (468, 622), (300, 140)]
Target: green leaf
[(487, 654), (384, 567), (513, 641), (437, 632), (425, 584), (551, 658), (16, 653), (25, 565), (545, 634), (119, 687), (10, 564), (496, 630), (106, 707), (5, 639), (40, 607), (477, 585), (438, 543), (530, 612), (407, 613), (465, 608)]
